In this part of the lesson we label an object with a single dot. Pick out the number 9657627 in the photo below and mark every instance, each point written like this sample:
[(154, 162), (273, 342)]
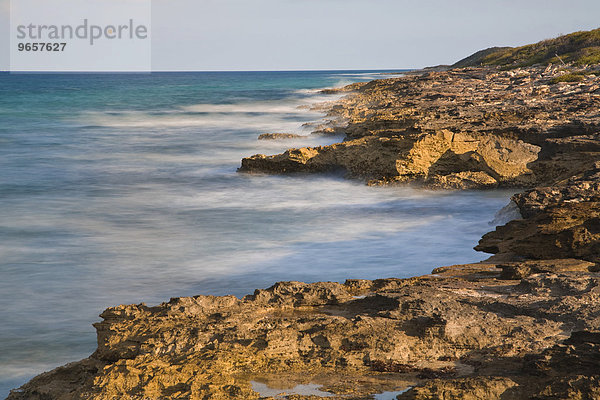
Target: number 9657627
[(41, 46)]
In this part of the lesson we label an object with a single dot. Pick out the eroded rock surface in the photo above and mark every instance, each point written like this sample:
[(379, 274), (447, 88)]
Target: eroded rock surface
[(444, 159), (465, 329), (526, 324), (470, 128), (560, 221)]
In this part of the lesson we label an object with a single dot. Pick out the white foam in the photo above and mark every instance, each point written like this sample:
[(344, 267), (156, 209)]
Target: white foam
[(253, 107), (342, 83), (368, 76), (308, 91), (261, 115), (135, 119), (506, 214)]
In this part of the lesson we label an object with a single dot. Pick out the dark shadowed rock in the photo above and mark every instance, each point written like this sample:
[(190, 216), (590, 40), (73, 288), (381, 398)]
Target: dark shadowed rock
[(520, 270), (279, 136)]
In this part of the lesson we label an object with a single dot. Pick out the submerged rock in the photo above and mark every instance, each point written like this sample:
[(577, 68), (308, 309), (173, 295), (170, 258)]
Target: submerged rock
[(279, 136)]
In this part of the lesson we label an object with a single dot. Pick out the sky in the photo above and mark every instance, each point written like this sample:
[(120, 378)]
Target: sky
[(342, 34)]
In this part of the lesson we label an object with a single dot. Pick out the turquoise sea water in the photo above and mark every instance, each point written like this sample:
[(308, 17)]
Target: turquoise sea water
[(123, 188)]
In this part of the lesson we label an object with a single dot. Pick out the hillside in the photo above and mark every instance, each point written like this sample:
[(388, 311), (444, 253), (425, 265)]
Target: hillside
[(579, 48)]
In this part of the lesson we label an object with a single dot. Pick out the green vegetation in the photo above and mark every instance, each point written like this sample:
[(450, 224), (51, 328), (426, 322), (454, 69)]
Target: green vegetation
[(570, 77), (579, 48)]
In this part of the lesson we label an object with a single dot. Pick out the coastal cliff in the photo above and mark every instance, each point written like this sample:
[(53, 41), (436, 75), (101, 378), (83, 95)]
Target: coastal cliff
[(524, 324)]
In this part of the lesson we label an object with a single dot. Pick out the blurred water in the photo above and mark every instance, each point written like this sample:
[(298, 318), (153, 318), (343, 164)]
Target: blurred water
[(123, 189)]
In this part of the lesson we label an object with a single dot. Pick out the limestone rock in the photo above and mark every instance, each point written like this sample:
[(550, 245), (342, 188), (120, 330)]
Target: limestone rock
[(521, 270), (568, 230), (279, 136), (581, 188), (469, 128), (463, 331), (444, 159), (522, 326), (565, 371)]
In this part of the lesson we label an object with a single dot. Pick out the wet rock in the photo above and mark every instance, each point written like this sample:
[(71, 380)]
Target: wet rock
[(279, 136), (489, 388)]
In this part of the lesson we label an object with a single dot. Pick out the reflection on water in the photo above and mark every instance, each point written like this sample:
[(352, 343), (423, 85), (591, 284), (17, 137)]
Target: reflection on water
[(379, 387), (126, 191), (389, 395), (303, 390)]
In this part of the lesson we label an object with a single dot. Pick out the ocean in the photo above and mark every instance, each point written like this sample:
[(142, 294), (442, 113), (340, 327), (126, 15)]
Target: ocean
[(122, 188)]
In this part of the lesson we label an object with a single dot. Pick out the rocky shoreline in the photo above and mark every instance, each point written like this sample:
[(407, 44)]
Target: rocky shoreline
[(465, 128), (524, 324)]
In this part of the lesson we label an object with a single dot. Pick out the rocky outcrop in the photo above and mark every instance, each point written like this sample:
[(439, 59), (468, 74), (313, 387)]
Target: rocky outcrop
[(566, 230), (279, 136), (524, 324), (581, 188), (560, 221), (470, 128), (565, 371), (443, 159), (468, 330)]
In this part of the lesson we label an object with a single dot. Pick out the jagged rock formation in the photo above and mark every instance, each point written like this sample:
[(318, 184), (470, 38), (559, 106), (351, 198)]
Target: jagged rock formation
[(469, 330), (524, 324), (470, 128), (560, 221), (443, 159)]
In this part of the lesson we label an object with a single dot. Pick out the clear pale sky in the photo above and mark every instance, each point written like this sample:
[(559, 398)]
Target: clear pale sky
[(343, 34)]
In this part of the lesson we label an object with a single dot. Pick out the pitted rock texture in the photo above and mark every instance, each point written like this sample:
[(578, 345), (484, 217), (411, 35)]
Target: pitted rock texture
[(470, 128), (523, 325), (584, 187), (565, 371), (560, 221), (444, 159), (463, 329)]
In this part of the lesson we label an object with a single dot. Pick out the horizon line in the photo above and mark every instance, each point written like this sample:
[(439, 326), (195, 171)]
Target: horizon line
[(215, 70)]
